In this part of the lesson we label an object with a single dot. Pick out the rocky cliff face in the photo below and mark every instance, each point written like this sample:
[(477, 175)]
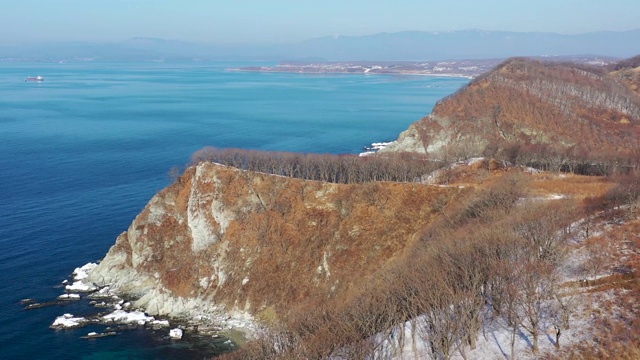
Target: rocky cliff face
[(531, 102), (222, 241)]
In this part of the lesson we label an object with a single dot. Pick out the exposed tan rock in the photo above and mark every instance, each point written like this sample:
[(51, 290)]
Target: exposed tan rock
[(224, 242)]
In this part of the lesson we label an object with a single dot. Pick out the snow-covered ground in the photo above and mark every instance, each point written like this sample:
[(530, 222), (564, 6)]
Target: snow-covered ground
[(494, 340)]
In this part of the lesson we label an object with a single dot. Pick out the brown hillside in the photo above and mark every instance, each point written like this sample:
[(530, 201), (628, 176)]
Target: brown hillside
[(486, 247), (531, 102), (265, 244)]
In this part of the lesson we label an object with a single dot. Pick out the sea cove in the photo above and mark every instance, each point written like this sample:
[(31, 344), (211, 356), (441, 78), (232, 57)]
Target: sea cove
[(87, 148)]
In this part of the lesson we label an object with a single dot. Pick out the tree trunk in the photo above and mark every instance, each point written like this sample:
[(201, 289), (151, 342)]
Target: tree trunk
[(463, 352), (513, 342)]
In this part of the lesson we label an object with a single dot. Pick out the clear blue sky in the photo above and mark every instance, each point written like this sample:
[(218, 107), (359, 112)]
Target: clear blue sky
[(278, 21)]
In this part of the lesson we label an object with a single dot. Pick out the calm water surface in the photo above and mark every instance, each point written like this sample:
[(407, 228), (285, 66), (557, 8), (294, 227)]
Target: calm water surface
[(82, 153)]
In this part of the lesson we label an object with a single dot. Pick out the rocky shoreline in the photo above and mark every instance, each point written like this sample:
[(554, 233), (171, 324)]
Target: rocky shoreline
[(117, 312), (196, 315)]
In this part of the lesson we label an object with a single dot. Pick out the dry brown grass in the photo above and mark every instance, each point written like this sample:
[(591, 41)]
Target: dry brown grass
[(569, 185), (484, 174)]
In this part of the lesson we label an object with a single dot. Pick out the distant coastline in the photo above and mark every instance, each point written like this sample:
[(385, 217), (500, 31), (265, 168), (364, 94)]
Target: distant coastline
[(458, 68), (451, 68)]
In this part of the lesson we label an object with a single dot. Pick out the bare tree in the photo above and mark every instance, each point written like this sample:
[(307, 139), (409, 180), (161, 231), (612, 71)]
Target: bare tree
[(598, 250), (537, 283)]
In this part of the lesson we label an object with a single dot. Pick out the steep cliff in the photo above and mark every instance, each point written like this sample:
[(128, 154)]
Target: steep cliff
[(531, 102), (222, 241)]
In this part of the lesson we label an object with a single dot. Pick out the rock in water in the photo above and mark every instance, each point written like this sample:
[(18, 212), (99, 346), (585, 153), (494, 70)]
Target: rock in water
[(175, 334), (67, 321)]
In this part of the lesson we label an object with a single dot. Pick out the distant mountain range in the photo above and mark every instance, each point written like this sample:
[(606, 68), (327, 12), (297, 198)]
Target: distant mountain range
[(400, 46)]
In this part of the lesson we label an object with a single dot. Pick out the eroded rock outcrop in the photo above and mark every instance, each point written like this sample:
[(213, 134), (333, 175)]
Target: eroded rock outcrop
[(227, 242)]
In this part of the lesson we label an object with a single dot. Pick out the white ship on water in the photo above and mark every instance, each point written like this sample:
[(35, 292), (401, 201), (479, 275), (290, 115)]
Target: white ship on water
[(34, 79)]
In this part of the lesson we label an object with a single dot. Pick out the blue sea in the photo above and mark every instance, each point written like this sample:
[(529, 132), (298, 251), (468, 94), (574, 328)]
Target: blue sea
[(82, 152)]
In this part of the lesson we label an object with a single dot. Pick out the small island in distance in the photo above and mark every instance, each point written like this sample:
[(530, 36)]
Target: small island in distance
[(469, 68)]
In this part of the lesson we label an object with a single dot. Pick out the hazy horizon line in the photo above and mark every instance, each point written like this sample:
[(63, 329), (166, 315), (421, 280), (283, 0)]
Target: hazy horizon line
[(264, 43)]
